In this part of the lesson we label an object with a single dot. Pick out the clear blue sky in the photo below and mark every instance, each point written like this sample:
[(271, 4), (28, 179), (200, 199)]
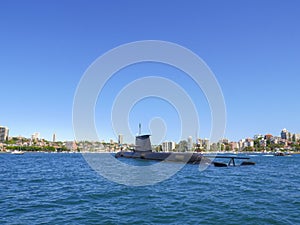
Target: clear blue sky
[(252, 47)]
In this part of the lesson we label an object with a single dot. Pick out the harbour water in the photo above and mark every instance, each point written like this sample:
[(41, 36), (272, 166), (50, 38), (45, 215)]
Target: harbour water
[(39, 188)]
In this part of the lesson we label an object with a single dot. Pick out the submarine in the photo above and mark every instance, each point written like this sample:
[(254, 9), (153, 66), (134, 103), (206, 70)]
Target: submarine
[(143, 150)]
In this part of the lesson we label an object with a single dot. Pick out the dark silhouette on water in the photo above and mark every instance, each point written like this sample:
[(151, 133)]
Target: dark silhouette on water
[(143, 150)]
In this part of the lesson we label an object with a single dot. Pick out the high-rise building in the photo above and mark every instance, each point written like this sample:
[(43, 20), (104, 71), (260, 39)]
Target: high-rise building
[(285, 134), (120, 139), (54, 138), (4, 132), (190, 143)]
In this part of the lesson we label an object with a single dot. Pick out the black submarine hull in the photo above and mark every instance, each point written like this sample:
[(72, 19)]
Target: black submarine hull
[(193, 158)]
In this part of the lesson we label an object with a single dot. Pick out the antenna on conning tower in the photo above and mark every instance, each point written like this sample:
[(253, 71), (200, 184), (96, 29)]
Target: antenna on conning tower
[(140, 128)]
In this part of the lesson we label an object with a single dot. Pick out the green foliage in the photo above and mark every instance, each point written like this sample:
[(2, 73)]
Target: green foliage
[(31, 148), (182, 146), (248, 149), (158, 148), (62, 149), (227, 148), (296, 146), (273, 146), (257, 143), (222, 147), (11, 142)]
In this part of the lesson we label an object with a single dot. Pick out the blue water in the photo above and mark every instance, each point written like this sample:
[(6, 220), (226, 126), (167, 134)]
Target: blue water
[(62, 189)]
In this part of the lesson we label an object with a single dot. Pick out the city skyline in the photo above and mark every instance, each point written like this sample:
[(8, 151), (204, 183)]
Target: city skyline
[(287, 141), (47, 47), (191, 140)]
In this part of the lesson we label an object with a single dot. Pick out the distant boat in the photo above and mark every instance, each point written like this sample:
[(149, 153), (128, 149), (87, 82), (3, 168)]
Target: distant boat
[(17, 152), (282, 154)]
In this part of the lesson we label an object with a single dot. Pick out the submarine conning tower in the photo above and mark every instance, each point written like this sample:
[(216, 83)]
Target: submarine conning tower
[(142, 143)]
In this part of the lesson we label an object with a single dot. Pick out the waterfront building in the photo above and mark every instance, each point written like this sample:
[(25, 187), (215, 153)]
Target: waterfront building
[(168, 146), (71, 145), (206, 144), (35, 136), (4, 132), (268, 136), (296, 137), (285, 134), (234, 145), (241, 144), (248, 142), (164, 147), (190, 143), (275, 140)]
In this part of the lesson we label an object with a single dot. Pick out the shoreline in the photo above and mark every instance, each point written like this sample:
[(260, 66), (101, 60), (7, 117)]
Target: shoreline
[(106, 152)]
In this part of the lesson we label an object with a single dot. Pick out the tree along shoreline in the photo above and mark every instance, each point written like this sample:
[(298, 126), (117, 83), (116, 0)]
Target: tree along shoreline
[(37, 148)]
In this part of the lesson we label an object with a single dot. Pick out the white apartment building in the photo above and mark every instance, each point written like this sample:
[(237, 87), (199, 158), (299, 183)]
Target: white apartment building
[(168, 146), (4, 132)]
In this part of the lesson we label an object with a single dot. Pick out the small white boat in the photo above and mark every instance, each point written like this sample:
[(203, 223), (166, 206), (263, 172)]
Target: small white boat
[(17, 152)]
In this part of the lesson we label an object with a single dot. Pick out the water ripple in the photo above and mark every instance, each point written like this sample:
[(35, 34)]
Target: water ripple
[(62, 189)]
